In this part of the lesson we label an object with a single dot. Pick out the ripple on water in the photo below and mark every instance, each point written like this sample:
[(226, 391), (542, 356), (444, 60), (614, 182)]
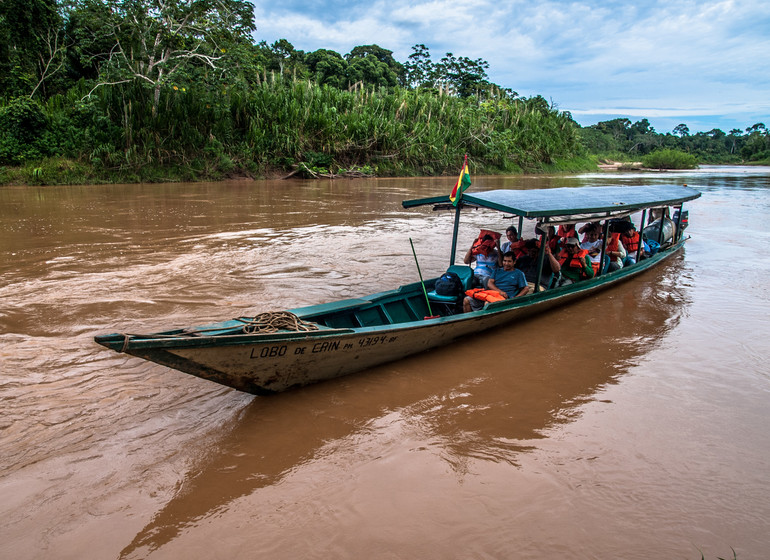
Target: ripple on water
[(630, 421)]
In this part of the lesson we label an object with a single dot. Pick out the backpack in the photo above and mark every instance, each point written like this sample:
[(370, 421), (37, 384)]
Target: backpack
[(448, 285)]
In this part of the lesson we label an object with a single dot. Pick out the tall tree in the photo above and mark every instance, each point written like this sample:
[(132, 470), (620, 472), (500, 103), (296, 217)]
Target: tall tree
[(463, 75), (617, 128), (419, 70), (328, 67), (371, 64), (681, 130), (284, 57), (30, 35), (642, 127), (153, 41), (733, 138)]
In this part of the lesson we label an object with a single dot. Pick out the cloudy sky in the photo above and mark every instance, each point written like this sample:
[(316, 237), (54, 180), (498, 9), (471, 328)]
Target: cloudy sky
[(705, 63)]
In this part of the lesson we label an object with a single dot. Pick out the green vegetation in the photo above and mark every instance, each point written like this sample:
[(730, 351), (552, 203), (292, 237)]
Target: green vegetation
[(282, 125), (669, 159), (620, 140), (144, 90), (112, 90)]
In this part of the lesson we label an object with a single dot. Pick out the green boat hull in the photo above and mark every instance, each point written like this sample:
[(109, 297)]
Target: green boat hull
[(352, 335)]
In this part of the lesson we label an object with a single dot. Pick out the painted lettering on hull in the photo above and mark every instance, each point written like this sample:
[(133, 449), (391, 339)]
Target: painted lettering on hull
[(280, 350), (375, 340), (328, 346), (269, 351)]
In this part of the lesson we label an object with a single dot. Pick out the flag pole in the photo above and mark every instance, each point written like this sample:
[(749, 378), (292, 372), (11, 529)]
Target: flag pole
[(457, 215)]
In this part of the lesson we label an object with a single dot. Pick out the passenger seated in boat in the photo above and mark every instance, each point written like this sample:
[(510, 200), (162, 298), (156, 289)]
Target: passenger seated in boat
[(514, 243), (550, 236), (630, 239), (512, 235), (529, 262), (575, 263), (593, 244), (615, 251), (485, 252), (565, 231), (660, 218), (585, 228), (508, 281)]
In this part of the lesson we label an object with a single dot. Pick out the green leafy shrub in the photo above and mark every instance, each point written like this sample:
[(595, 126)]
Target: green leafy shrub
[(670, 159), (23, 131)]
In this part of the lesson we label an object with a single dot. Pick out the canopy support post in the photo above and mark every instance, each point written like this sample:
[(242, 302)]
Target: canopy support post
[(540, 260), (663, 212), (605, 234), (641, 235)]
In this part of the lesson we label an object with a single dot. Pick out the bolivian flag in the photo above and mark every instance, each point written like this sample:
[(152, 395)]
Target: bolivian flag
[(463, 182)]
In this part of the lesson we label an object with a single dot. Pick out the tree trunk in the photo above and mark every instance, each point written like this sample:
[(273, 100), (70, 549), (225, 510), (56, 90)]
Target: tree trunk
[(156, 99)]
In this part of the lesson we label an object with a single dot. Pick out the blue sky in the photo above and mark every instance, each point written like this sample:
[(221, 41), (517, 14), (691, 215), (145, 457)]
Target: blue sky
[(702, 63)]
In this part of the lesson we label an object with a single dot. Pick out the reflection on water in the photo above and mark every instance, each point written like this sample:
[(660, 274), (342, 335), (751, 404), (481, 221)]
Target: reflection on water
[(513, 386), (584, 432)]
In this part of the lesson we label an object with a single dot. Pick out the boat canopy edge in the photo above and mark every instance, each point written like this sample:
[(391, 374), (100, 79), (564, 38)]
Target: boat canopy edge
[(569, 203), (426, 201)]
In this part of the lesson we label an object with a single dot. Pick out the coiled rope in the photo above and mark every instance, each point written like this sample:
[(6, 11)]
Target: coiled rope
[(273, 321), (268, 322)]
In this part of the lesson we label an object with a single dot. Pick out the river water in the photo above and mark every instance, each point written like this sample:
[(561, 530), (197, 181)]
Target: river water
[(632, 424)]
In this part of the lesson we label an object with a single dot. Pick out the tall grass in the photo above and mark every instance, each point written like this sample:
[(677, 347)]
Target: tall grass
[(402, 131), (279, 123)]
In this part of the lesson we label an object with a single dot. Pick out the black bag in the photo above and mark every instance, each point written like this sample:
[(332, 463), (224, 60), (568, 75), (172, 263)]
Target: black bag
[(448, 285)]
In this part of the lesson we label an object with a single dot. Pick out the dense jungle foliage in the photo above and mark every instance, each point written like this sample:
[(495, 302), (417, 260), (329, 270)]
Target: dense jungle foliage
[(147, 90), (620, 139)]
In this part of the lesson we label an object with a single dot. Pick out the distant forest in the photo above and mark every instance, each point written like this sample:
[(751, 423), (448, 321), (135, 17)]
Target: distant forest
[(151, 90)]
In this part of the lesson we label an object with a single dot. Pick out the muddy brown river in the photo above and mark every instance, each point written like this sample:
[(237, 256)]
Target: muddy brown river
[(633, 424)]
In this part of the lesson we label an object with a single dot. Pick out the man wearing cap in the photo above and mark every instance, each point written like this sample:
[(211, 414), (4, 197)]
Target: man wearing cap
[(575, 262)]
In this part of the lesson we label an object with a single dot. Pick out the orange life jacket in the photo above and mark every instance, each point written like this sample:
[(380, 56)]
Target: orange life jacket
[(553, 243), (563, 233), (631, 243), (577, 261), (614, 245), (485, 295), (485, 247), (519, 248)]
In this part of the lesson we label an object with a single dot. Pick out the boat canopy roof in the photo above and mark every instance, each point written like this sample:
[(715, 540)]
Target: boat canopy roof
[(565, 205)]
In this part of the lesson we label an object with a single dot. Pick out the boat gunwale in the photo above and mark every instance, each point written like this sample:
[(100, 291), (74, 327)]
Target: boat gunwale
[(164, 340)]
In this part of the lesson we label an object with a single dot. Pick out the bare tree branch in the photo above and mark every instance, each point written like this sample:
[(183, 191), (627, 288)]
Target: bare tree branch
[(55, 51)]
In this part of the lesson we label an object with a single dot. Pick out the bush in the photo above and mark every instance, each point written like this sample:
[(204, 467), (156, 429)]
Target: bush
[(670, 159), (56, 171), (23, 131)]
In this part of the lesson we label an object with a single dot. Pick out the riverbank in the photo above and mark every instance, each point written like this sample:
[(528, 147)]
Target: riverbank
[(63, 171)]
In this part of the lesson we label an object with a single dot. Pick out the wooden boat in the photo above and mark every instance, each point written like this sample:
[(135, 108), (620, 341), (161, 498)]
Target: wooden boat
[(277, 351)]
